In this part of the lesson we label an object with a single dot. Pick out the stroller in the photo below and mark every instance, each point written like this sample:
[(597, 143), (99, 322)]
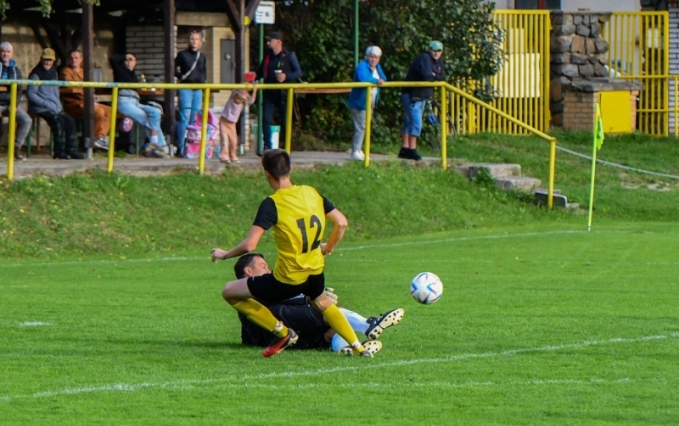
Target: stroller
[(193, 136)]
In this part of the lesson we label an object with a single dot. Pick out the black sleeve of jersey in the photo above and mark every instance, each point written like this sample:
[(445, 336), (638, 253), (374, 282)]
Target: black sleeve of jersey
[(267, 215), (327, 205)]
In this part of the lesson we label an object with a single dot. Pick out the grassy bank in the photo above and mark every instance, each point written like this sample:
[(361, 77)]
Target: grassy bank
[(112, 214), (100, 214)]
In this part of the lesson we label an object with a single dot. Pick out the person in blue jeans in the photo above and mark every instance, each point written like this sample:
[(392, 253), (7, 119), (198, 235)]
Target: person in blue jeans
[(426, 67), (190, 67), (128, 104), (367, 71), (278, 66)]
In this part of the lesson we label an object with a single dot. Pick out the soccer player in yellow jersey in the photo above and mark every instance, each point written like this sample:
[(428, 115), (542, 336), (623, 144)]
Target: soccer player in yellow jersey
[(296, 214)]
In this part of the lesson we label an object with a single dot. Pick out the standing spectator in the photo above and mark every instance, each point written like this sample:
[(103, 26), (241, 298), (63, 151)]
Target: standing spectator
[(74, 100), (279, 65), (367, 71), (128, 104), (227, 123), (426, 67), (190, 67), (44, 101), (10, 71)]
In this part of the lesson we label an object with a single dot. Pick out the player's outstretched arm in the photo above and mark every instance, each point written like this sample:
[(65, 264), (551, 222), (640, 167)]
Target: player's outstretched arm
[(337, 233), (246, 246)]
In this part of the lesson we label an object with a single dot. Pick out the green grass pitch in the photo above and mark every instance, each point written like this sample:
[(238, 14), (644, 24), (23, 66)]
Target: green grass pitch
[(537, 325)]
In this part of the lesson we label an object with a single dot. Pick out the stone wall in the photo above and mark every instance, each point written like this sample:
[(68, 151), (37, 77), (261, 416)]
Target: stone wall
[(578, 51)]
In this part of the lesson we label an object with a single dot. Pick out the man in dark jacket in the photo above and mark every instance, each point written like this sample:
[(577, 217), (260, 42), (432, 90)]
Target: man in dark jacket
[(45, 102), (10, 71), (279, 66), (426, 67)]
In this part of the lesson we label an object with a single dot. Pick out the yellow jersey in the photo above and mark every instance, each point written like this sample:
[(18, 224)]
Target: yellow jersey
[(296, 216)]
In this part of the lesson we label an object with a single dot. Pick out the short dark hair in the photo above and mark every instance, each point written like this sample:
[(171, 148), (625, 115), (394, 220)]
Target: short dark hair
[(73, 51), (277, 163), (243, 262)]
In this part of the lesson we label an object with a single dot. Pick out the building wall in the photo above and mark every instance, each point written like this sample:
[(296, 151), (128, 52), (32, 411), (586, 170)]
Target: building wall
[(593, 6), (146, 44), (602, 5)]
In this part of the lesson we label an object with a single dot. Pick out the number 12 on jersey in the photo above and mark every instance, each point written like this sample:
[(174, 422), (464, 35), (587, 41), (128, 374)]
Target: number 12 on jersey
[(314, 222)]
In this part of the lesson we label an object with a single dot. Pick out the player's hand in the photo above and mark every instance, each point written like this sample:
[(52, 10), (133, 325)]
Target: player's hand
[(324, 250), (218, 254), (330, 294)]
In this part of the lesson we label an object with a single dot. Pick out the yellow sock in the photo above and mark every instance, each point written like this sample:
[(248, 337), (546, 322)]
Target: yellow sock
[(260, 315), (339, 323)]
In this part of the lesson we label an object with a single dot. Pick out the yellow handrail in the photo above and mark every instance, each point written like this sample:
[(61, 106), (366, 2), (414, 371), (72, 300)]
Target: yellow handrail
[(445, 87)]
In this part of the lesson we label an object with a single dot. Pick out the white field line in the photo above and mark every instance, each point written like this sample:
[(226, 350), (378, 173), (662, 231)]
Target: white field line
[(340, 249), (34, 324), (186, 384), (548, 382)]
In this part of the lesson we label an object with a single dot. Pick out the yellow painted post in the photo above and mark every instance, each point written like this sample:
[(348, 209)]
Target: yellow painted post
[(444, 129), (11, 137), (666, 71), (368, 121), (470, 118), (288, 120), (203, 131), (552, 163), (547, 113), (112, 132)]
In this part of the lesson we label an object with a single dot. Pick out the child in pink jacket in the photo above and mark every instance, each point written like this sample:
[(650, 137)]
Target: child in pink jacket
[(227, 123)]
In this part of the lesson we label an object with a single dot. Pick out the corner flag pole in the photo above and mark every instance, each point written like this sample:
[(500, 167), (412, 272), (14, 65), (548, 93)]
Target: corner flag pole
[(598, 140)]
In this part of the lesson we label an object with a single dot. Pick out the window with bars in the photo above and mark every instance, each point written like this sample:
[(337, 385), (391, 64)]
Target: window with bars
[(538, 4)]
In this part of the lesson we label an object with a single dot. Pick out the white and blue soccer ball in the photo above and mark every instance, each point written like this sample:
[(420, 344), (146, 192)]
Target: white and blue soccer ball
[(426, 288)]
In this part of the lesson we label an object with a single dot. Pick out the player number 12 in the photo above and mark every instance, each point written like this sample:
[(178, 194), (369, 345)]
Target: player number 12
[(314, 222)]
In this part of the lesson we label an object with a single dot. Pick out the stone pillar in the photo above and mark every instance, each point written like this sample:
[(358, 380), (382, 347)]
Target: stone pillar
[(578, 51)]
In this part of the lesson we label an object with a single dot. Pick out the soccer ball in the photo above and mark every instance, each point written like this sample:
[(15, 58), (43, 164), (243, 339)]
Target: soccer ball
[(426, 288)]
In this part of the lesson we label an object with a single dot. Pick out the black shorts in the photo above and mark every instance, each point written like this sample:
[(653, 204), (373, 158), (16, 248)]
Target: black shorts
[(268, 289), (305, 320)]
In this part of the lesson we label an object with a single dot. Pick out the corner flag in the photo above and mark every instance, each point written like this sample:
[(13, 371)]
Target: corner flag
[(598, 141), (598, 128)]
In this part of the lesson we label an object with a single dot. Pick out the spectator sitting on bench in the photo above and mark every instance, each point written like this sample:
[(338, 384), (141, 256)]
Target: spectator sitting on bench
[(128, 104), (74, 100), (44, 101), (10, 71)]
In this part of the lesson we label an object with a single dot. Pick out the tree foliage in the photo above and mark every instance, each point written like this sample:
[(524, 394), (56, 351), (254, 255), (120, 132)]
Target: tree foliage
[(322, 34), (45, 6)]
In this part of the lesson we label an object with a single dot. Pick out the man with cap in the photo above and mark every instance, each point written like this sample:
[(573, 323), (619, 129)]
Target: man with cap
[(45, 102), (279, 66), (426, 67), (10, 71)]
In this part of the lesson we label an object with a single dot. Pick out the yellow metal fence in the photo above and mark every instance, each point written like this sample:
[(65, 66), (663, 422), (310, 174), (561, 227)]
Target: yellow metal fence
[(521, 87), (639, 50), (522, 84)]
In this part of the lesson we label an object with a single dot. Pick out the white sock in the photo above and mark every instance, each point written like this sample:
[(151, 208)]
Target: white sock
[(154, 139)]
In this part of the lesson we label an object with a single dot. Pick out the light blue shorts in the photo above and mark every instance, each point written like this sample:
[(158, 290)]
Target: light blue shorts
[(412, 119)]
